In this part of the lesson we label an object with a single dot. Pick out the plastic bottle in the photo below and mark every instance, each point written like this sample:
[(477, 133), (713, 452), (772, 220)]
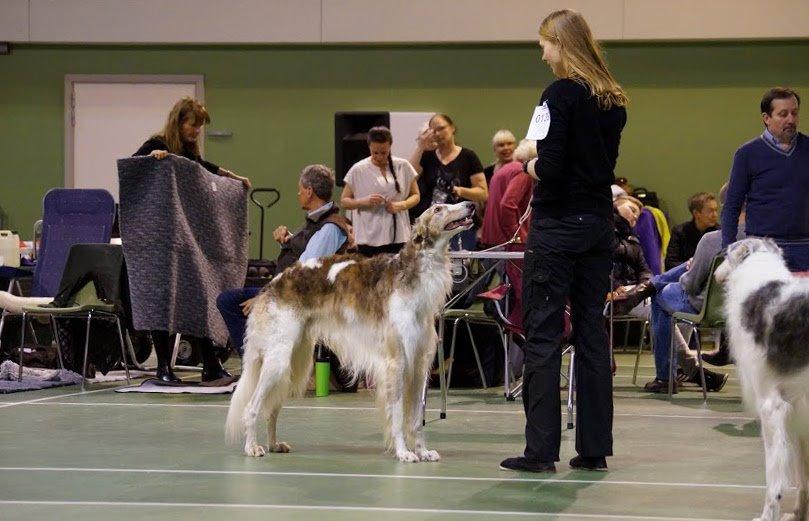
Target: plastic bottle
[(322, 372), (9, 249)]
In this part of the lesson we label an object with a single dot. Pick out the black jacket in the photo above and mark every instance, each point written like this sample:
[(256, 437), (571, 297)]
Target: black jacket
[(577, 157), (683, 243), (155, 143), (629, 265)]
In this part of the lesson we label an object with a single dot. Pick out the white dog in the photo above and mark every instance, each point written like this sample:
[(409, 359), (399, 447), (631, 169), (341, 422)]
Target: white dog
[(768, 319), (377, 315)]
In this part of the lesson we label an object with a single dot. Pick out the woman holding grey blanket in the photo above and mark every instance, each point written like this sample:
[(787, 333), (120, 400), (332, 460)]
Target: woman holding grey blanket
[(179, 137)]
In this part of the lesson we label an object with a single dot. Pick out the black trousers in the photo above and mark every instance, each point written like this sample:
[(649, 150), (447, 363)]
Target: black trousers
[(567, 259)]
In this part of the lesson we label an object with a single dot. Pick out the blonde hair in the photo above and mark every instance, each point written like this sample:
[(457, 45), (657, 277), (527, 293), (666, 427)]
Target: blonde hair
[(503, 136), (582, 59), (187, 109), (526, 150), (623, 199)]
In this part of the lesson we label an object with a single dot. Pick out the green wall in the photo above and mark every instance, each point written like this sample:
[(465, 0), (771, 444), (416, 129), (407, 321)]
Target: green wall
[(692, 104)]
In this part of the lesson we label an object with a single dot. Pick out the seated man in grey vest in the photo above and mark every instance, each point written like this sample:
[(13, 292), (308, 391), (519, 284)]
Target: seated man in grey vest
[(324, 232)]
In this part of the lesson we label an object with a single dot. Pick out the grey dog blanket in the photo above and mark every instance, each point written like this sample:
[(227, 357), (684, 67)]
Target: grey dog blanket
[(184, 234)]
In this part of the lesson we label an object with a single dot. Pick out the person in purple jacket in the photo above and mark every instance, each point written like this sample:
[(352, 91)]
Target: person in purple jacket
[(770, 175)]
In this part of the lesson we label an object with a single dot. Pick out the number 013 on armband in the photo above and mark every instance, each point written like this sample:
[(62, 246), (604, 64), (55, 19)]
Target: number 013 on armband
[(540, 123)]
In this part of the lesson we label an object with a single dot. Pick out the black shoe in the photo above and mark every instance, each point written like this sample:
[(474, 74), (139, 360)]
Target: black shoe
[(165, 374), (714, 382), (598, 464), (522, 464), (719, 358), (659, 387), (209, 374)]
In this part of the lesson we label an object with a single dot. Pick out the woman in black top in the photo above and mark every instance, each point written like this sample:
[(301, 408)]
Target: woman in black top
[(570, 246), (179, 137), (448, 173)]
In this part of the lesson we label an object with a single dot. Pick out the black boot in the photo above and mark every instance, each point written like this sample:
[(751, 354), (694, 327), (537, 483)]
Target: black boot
[(161, 341), (720, 357), (211, 366)]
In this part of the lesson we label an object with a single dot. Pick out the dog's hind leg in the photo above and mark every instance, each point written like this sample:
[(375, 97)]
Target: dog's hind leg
[(774, 414)]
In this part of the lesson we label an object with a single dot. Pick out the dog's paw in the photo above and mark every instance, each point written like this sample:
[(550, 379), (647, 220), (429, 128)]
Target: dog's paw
[(428, 455), (281, 447), (406, 456), (791, 517), (255, 450)]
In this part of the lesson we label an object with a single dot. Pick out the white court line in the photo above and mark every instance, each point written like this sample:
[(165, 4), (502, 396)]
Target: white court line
[(325, 407), (353, 509), (379, 476), (39, 400)]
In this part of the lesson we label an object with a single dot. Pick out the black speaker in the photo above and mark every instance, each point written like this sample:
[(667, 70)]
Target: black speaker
[(351, 138)]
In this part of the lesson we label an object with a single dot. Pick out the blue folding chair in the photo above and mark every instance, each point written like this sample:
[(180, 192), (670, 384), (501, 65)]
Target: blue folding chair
[(69, 216)]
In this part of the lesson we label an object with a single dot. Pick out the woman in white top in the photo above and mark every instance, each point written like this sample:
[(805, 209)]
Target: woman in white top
[(380, 190)]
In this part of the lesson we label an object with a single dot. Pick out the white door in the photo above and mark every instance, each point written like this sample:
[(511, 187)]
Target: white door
[(109, 117)]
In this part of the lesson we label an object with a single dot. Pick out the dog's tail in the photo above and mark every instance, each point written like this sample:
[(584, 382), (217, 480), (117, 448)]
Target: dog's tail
[(251, 369)]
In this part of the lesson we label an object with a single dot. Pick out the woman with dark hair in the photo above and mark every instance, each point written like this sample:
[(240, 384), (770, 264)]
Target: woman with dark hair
[(180, 137), (577, 125), (379, 190), (448, 173)]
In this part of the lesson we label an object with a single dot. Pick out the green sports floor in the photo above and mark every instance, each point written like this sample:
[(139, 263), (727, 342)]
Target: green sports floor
[(101, 455)]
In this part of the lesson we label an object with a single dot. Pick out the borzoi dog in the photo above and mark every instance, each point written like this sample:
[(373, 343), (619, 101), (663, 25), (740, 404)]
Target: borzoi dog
[(768, 319), (377, 315)]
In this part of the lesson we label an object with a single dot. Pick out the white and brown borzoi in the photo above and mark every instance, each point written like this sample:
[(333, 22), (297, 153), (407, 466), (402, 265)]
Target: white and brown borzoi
[(377, 315), (768, 321)]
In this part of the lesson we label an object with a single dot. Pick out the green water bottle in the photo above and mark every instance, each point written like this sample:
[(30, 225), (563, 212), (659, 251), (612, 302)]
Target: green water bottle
[(322, 372)]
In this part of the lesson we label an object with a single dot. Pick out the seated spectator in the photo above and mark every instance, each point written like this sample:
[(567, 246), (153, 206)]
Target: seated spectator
[(682, 289), (503, 144), (509, 194), (685, 236), (380, 189), (631, 276), (324, 232)]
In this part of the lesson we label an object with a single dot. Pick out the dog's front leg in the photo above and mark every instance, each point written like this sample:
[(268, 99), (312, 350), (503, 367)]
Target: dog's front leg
[(272, 421), (395, 412), (774, 415), (801, 512), (416, 427)]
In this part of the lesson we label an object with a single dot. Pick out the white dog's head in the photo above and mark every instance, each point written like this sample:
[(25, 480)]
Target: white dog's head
[(440, 222), (740, 251)]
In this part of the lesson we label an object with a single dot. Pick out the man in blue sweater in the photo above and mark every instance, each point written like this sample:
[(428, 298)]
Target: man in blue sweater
[(770, 174)]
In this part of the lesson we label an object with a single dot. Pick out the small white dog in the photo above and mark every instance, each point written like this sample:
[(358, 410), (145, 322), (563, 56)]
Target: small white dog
[(376, 314), (768, 320)]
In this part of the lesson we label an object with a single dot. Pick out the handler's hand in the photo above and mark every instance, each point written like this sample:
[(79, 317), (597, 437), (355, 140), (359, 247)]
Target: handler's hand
[(374, 200), (247, 305), (281, 234), (159, 154)]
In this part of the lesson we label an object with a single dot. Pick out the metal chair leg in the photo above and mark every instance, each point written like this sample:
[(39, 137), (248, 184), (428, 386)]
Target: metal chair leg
[(56, 342), (452, 351), (477, 355), (442, 381), (22, 343), (640, 350), (571, 383), (86, 350), (123, 349), (695, 334), (2, 324), (672, 371)]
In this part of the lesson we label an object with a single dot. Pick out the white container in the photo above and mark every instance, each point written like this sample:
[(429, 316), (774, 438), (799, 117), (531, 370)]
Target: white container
[(9, 249)]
